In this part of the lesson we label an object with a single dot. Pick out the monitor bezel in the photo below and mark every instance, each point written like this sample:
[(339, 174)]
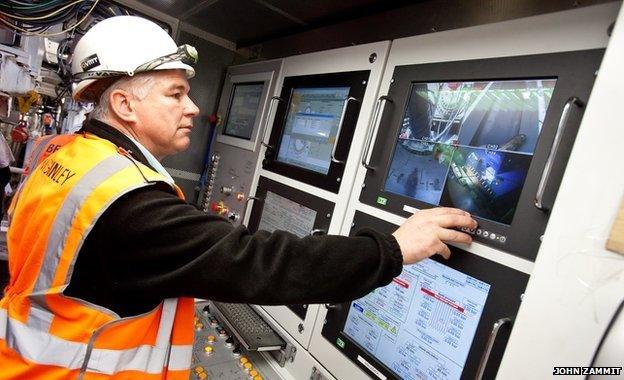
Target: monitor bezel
[(224, 109), (503, 301), (324, 211), (574, 72), (231, 103), (357, 82)]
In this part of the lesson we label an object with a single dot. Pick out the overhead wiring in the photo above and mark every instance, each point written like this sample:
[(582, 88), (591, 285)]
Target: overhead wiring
[(34, 23)]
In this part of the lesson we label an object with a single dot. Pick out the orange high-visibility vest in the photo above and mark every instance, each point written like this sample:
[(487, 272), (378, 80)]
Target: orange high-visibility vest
[(47, 335)]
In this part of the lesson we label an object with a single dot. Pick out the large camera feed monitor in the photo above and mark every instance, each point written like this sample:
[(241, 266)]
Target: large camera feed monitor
[(469, 144), (313, 128), (243, 110), (432, 321), (490, 136), (279, 213), (421, 325)]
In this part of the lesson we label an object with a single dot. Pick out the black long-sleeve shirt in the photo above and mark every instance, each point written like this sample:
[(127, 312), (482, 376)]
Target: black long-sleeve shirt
[(150, 245)]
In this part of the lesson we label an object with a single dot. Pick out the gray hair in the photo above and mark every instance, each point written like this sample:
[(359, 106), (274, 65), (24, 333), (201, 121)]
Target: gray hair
[(138, 85)]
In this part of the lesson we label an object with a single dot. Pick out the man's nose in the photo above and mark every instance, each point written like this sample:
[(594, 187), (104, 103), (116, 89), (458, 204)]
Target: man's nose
[(191, 108)]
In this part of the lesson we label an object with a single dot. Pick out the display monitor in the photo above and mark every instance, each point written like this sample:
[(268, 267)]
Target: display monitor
[(469, 144), (312, 123), (422, 325), (243, 110), (279, 213)]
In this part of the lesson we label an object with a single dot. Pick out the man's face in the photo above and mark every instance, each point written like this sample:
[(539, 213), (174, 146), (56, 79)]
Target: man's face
[(165, 115)]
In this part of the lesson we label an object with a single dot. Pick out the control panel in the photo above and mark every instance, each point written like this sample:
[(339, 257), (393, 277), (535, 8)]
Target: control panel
[(243, 110), (218, 355)]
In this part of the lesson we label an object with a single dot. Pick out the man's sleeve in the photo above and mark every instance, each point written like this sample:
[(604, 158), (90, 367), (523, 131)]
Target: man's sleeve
[(157, 245)]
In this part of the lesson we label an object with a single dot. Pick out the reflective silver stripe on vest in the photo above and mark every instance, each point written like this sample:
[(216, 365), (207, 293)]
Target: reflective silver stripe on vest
[(36, 152), (46, 349), (66, 213)]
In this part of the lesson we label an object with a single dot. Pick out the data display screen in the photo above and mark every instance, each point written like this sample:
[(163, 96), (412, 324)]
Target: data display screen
[(279, 213), (312, 123), (469, 144), (421, 326), (243, 110)]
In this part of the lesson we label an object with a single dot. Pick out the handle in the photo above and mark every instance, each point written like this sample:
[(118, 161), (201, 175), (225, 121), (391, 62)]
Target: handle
[(249, 199), (266, 122), (563, 121), (329, 306), (344, 111), (370, 130), (488, 347), (317, 232)]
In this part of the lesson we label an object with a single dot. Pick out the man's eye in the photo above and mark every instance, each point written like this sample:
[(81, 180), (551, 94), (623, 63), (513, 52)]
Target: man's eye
[(177, 95)]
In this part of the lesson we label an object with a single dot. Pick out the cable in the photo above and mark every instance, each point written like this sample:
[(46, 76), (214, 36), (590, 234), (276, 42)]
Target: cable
[(44, 16), (28, 33)]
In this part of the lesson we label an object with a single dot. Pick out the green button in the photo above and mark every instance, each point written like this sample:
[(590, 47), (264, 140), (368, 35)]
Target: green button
[(340, 343), (382, 201)]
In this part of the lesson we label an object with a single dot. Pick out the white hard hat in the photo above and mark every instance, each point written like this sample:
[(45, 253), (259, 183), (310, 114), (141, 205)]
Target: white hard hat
[(124, 45)]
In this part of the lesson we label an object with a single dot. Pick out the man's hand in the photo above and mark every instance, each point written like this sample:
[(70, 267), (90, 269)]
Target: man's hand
[(424, 234)]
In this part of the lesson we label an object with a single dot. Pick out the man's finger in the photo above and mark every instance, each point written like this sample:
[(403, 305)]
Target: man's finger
[(454, 220), (454, 236), (444, 251)]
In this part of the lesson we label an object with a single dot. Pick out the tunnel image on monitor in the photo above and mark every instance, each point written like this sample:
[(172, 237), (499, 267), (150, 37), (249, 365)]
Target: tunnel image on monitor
[(469, 144)]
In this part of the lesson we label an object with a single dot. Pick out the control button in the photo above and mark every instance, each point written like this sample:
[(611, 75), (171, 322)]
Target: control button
[(236, 352), (502, 239), (206, 310), (240, 197), (199, 369), (226, 190), (234, 216), (486, 234), (208, 350), (257, 377), (211, 339), (479, 231), (229, 342), (222, 333), (253, 373), (493, 236), (471, 230), (247, 367), (243, 360), (202, 375), (213, 322), (199, 326)]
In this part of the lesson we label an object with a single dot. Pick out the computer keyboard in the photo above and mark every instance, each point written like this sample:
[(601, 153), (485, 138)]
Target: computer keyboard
[(250, 329)]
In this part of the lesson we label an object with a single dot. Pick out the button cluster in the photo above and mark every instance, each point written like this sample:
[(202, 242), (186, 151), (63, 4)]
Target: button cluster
[(486, 234)]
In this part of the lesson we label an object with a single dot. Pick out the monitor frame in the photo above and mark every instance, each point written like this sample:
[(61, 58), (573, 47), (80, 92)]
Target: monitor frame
[(575, 74), (503, 301), (324, 211), (228, 92), (357, 82)]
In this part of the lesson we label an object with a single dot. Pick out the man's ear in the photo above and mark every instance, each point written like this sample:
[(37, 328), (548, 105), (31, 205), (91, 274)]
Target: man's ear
[(122, 105)]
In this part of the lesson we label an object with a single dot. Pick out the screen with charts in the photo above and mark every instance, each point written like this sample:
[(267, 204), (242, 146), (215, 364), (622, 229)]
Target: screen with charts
[(243, 111), (421, 326), (312, 122), (279, 213), (469, 144)]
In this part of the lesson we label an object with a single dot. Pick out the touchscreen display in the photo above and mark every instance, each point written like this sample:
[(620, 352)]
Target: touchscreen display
[(420, 326), (243, 110), (279, 213), (314, 115), (469, 144)]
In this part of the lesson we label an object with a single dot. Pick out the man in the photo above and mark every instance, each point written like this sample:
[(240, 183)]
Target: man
[(105, 255)]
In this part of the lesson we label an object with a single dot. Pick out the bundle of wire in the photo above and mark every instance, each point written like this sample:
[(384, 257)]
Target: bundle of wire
[(37, 17)]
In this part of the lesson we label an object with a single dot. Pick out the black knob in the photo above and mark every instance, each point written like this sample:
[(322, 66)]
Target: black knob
[(229, 340), (206, 309)]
